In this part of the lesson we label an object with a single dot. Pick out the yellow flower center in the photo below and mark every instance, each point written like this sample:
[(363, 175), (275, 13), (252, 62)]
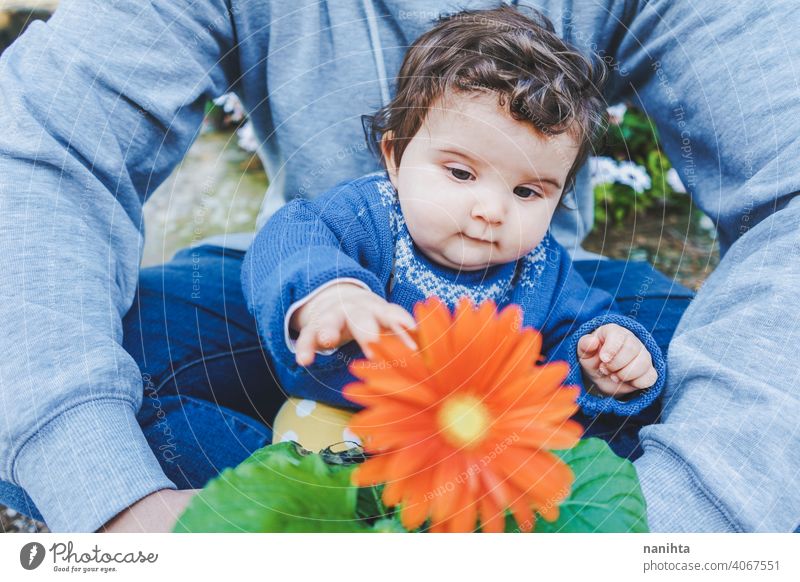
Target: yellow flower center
[(463, 420)]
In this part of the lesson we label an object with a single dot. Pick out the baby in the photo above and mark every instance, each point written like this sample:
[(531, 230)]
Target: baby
[(493, 116)]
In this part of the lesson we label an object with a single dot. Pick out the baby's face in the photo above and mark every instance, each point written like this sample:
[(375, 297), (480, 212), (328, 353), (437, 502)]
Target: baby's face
[(476, 186)]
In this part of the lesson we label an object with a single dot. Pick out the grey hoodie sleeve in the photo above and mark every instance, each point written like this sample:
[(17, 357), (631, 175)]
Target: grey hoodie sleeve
[(720, 79), (96, 108)]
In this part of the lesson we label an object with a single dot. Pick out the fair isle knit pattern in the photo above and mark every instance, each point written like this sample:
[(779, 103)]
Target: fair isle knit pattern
[(409, 269), (357, 230)]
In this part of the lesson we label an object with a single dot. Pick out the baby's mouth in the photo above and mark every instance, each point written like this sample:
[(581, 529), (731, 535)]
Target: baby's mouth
[(478, 240)]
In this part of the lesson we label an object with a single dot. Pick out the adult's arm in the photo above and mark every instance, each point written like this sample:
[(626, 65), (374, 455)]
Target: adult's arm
[(96, 108), (721, 81)]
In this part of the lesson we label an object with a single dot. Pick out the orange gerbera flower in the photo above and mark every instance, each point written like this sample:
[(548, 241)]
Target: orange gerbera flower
[(460, 429)]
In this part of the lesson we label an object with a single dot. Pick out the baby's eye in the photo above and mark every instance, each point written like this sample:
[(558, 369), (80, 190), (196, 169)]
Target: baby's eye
[(460, 174), (524, 192)]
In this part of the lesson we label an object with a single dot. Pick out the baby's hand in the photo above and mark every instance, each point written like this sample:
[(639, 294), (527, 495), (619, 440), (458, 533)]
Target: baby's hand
[(614, 359), (344, 312)]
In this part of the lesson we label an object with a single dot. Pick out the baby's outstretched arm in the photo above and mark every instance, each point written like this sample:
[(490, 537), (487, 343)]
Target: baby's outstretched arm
[(615, 361), (343, 312)]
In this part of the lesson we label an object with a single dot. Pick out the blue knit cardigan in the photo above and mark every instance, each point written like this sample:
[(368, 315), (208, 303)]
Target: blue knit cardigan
[(357, 230)]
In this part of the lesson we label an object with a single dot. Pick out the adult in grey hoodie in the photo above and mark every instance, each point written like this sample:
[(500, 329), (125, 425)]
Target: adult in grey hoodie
[(98, 105)]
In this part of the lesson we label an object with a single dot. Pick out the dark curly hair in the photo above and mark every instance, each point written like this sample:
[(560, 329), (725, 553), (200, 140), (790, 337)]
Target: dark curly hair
[(538, 77)]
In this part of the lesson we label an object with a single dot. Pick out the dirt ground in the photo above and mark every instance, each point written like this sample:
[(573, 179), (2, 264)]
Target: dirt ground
[(670, 238)]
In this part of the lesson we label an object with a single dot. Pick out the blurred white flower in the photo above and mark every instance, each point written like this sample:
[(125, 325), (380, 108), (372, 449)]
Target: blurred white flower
[(247, 138), (674, 181), (231, 105), (706, 223), (634, 176), (606, 170), (603, 170), (616, 113)]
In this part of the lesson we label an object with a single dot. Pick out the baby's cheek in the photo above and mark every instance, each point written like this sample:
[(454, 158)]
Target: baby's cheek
[(432, 221), (527, 240)]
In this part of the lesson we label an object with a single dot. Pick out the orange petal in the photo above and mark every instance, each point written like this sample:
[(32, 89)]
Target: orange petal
[(493, 519), (379, 384), (407, 463), (466, 515), (397, 439), (416, 503), (414, 514), (392, 352), (538, 386), (523, 514), (548, 511), (480, 324), (447, 487), (392, 416), (393, 492), (521, 358), (499, 490), (469, 349), (559, 407), (543, 475), (553, 437), (371, 471), (368, 396), (433, 326)]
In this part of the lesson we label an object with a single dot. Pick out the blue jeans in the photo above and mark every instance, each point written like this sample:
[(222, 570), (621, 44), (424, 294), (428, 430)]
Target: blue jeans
[(209, 391)]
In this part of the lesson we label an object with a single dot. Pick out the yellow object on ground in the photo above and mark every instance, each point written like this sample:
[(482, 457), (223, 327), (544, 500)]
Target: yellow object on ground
[(314, 425)]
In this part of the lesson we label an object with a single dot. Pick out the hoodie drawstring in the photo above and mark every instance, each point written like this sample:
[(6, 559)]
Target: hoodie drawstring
[(377, 50)]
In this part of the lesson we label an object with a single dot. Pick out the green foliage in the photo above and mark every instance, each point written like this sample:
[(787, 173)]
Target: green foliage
[(284, 488), (606, 496), (280, 488), (635, 139)]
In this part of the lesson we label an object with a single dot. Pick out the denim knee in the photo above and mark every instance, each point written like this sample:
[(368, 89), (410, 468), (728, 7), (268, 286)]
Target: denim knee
[(194, 439)]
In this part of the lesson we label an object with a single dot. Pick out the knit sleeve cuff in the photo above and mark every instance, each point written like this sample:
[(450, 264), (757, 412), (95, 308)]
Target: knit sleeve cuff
[(290, 341), (87, 464), (593, 405)]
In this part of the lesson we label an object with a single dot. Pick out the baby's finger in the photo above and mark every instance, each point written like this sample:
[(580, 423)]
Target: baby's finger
[(304, 347), (365, 330), (636, 368), (404, 336), (395, 320), (647, 379), (328, 336), (627, 353), (401, 315), (613, 337), (587, 346)]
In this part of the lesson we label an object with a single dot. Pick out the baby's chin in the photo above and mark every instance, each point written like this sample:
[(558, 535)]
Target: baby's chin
[(471, 259)]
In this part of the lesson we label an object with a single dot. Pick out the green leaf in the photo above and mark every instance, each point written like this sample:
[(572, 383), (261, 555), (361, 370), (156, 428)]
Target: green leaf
[(280, 488), (606, 496), (388, 526), (369, 505)]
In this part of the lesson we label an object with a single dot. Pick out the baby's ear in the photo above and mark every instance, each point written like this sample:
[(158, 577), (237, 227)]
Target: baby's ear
[(387, 151)]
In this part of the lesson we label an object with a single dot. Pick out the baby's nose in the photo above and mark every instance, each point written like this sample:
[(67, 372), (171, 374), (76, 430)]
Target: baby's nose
[(490, 208)]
